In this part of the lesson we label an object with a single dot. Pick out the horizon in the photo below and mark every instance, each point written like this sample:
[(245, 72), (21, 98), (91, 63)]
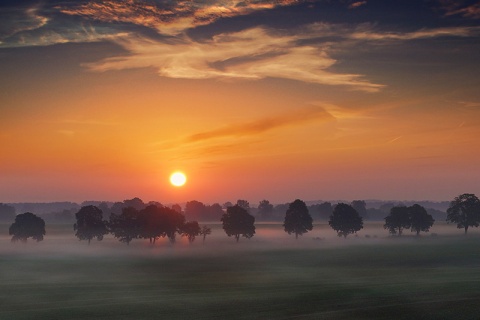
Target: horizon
[(249, 99)]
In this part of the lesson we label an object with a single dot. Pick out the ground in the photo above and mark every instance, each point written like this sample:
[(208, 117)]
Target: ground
[(271, 276)]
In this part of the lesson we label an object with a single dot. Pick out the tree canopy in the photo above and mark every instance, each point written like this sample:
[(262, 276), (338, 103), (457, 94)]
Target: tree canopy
[(345, 220), (238, 222), (420, 220), (190, 229), (297, 219), (464, 210), (27, 225), (265, 210), (397, 220), (205, 231), (125, 226), (90, 224)]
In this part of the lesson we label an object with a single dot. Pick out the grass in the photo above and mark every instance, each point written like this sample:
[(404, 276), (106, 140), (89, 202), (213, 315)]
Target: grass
[(426, 278)]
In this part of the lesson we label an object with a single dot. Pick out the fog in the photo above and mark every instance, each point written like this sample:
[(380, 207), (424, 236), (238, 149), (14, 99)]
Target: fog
[(60, 241), (270, 276)]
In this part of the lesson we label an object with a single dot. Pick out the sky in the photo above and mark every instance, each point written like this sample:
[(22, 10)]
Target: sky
[(252, 99)]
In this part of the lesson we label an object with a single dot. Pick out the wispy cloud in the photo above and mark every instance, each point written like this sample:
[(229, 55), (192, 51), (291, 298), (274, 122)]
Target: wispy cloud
[(365, 32), (357, 4), (249, 54), (259, 126), (19, 20), (461, 7), (170, 17)]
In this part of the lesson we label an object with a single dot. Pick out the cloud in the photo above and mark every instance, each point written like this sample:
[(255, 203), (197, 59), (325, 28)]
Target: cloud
[(357, 4), (365, 32), (459, 7), (250, 54), (294, 118), (17, 20), (170, 17)]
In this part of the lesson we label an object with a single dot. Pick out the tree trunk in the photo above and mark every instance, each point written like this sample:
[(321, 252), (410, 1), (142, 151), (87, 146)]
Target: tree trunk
[(89, 241), (418, 233), (237, 236), (399, 232), (466, 228)]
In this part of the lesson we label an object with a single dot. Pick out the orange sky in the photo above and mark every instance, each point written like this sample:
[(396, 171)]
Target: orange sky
[(110, 120)]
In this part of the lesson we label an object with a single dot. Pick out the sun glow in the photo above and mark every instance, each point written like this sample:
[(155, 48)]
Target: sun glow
[(178, 179)]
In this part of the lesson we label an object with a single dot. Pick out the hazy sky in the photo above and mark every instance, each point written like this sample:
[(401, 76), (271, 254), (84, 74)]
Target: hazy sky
[(254, 99)]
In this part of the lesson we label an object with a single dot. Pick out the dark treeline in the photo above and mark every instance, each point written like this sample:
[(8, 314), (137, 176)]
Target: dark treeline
[(370, 210), (134, 219)]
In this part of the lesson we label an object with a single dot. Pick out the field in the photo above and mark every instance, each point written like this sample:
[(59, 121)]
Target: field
[(270, 276)]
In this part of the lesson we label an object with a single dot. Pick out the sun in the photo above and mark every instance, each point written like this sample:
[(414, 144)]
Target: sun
[(178, 179)]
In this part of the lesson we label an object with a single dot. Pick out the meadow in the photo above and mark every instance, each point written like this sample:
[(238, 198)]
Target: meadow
[(271, 276)]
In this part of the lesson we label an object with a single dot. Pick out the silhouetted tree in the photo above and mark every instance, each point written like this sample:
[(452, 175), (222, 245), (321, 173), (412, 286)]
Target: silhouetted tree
[(226, 205), (90, 224), (345, 220), (205, 232), (195, 210), (420, 220), (177, 208), (324, 210), (397, 220), (27, 225), (214, 212), (238, 222), (265, 210), (136, 203), (103, 206), (361, 207), (244, 204), (125, 226), (190, 229), (464, 210), (7, 213), (173, 223), (297, 219), (279, 211), (151, 223)]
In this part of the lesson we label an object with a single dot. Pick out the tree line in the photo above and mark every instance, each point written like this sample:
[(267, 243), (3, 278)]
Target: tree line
[(155, 221)]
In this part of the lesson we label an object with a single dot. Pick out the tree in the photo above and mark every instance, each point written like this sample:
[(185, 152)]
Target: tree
[(265, 210), (195, 210), (136, 203), (125, 226), (214, 212), (27, 225), (464, 210), (7, 213), (244, 204), (205, 232), (397, 220), (90, 224), (173, 223), (177, 208), (238, 222), (150, 223), (190, 229), (361, 207), (345, 220), (226, 205), (324, 210), (297, 219), (420, 220)]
